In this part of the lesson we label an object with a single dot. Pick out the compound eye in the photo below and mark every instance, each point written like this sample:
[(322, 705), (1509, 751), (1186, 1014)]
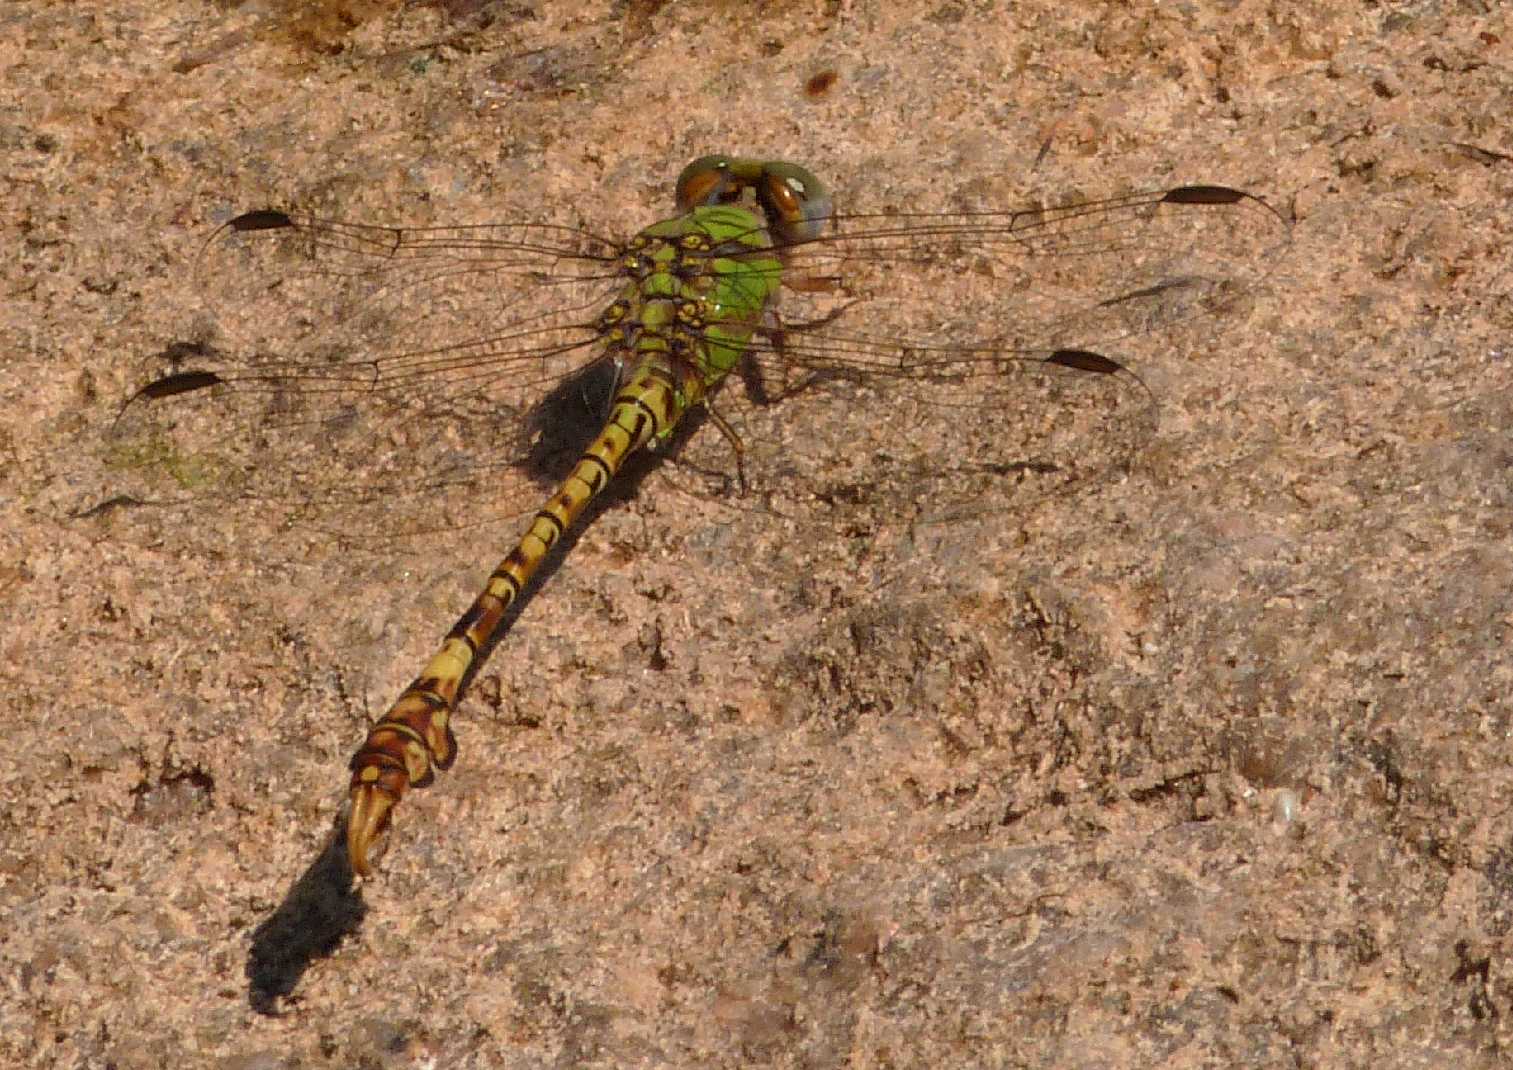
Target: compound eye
[(706, 181), (797, 204)]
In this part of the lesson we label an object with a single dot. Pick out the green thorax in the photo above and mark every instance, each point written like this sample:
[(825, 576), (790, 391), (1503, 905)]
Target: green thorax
[(699, 285)]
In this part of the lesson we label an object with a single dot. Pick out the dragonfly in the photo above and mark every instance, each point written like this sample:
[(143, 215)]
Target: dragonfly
[(430, 353)]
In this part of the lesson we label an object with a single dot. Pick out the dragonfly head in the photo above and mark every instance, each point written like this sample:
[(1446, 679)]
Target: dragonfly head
[(795, 203)]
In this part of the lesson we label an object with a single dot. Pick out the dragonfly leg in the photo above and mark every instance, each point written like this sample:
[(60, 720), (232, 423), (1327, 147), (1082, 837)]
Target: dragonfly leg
[(736, 445)]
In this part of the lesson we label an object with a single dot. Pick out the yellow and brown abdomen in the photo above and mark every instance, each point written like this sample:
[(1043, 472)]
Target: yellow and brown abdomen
[(414, 739)]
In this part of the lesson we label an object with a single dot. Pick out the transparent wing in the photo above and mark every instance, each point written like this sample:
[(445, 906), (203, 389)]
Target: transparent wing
[(942, 361), (935, 358), (352, 364)]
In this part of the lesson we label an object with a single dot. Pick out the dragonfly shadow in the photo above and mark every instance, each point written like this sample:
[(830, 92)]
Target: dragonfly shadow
[(556, 429), (320, 908)]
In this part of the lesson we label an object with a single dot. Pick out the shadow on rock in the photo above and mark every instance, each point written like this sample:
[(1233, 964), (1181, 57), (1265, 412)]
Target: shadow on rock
[(320, 909)]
